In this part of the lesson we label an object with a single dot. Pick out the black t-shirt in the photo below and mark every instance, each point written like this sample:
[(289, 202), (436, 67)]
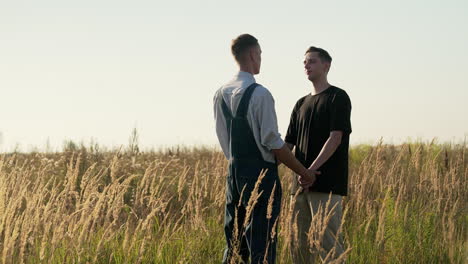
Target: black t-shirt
[(312, 120)]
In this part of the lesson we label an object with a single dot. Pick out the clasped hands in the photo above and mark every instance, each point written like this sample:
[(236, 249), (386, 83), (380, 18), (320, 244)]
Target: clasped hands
[(309, 178)]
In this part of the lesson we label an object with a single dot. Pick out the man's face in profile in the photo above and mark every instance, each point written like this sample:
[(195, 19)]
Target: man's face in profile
[(314, 67), (256, 53)]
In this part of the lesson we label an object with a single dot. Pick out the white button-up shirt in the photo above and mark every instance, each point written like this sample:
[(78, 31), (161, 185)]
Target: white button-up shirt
[(261, 115)]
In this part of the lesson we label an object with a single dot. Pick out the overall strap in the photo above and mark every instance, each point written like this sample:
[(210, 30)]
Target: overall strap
[(244, 103), (226, 111)]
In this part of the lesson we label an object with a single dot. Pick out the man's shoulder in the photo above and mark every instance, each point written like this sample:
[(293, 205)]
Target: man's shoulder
[(339, 91), (223, 90), (340, 96), (260, 89), (261, 92), (217, 93)]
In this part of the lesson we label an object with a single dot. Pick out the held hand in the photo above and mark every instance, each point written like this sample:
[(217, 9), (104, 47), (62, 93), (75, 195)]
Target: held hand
[(308, 180)]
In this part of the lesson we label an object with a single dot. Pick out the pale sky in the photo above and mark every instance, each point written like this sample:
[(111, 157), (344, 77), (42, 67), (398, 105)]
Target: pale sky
[(92, 70)]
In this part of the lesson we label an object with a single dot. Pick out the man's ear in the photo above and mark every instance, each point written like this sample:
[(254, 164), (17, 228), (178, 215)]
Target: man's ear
[(251, 54)]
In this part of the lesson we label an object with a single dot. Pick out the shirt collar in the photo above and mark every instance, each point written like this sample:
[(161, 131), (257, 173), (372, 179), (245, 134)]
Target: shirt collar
[(245, 76)]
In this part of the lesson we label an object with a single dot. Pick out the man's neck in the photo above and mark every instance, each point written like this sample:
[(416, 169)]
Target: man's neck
[(246, 68), (319, 86)]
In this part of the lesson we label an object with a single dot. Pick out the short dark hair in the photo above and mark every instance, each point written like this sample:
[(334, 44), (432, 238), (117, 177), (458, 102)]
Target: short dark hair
[(241, 44), (323, 54)]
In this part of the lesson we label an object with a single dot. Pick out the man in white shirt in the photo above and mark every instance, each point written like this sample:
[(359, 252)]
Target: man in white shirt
[(247, 130)]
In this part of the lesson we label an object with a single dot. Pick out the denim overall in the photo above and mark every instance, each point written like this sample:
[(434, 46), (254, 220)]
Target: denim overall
[(254, 239)]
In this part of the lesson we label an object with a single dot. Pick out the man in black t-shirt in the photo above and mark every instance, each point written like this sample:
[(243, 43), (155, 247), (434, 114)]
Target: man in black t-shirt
[(319, 132)]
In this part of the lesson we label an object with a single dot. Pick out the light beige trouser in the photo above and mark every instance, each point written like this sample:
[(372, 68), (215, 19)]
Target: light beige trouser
[(310, 235)]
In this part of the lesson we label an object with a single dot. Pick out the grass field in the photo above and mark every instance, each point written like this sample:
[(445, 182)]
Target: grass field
[(407, 204)]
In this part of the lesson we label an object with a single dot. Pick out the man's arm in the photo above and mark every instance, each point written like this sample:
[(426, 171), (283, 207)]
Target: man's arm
[(333, 141), (291, 148), (220, 123)]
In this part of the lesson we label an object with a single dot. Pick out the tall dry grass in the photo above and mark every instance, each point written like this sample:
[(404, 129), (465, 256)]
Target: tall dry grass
[(407, 204)]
